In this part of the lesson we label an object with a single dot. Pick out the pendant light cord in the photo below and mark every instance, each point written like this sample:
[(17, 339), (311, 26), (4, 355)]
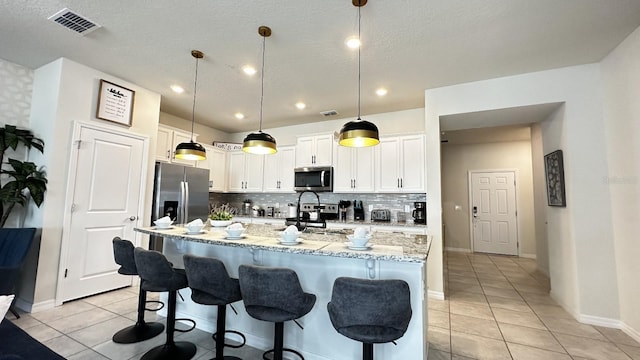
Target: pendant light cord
[(264, 40), (195, 91), (359, 76)]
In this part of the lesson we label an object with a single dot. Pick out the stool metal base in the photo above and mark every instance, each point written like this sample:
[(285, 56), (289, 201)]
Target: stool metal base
[(138, 332), (280, 356), (226, 357), (180, 350)]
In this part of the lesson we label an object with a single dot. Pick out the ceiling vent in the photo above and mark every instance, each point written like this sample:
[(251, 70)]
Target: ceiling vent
[(329, 113), (74, 22)]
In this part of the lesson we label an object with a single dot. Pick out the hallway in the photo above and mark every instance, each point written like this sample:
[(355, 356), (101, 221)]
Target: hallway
[(498, 307)]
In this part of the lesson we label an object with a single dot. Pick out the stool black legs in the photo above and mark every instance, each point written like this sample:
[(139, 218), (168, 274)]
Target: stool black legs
[(171, 350), (367, 351), (141, 330), (219, 336), (278, 344)]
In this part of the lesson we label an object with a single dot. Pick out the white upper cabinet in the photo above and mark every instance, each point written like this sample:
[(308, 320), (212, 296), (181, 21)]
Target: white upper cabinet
[(400, 164), (244, 172), (167, 140), (353, 169), (216, 163), (314, 151), (278, 170)]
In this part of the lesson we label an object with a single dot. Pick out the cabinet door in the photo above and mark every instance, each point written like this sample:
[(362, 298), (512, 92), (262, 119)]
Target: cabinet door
[(342, 175), (217, 160), (305, 151), (287, 163), (363, 166), (271, 177), (253, 166), (235, 171), (178, 138), (204, 164), (387, 175), (164, 142), (323, 150), (412, 163)]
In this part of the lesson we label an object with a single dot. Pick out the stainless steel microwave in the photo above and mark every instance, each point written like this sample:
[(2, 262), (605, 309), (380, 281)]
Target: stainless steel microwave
[(313, 178)]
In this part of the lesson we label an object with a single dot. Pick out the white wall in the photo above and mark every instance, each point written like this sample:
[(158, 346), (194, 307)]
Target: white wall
[(458, 160), (539, 199), (206, 135), (621, 79), (393, 123), (582, 262), (64, 92)]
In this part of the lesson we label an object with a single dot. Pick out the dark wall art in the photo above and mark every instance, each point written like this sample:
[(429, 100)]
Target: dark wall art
[(554, 169)]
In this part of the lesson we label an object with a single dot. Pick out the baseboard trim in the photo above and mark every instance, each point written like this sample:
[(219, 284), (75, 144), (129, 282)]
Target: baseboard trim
[(600, 321), (438, 295), (34, 307), (528, 256), (635, 334), (462, 250)]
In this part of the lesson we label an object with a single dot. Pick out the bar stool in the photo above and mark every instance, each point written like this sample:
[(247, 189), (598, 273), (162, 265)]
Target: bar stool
[(274, 295), (123, 255), (370, 311), (158, 275), (211, 285)]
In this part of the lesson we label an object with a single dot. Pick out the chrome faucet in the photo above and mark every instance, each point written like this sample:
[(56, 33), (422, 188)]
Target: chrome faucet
[(298, 212)]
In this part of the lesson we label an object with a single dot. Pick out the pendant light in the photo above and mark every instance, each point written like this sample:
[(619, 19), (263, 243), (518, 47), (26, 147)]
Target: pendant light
[(260, 142), (192, 150), (359, 133)]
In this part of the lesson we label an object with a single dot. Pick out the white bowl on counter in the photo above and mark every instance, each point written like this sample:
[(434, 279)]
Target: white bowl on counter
[(220, 223)]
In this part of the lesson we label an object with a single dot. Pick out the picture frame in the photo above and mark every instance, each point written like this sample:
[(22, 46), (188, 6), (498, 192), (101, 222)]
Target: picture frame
[(554, 170), (115, 103)]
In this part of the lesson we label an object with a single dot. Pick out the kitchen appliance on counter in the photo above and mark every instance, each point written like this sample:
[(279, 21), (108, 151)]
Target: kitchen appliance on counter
[(380, 215), (343, 205), (326, 211), (358, 210), (420, 212), (180, 192), (315, 179)]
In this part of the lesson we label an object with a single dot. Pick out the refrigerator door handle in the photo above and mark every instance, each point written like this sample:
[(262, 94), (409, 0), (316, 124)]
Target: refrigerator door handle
[(181, 206), (186, 202)]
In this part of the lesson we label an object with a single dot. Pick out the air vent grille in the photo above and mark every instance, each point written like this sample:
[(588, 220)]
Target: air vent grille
[(74, 22), (329, 113)]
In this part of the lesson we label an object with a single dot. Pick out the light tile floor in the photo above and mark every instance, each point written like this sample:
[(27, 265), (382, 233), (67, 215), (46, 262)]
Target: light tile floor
[(498, 307)]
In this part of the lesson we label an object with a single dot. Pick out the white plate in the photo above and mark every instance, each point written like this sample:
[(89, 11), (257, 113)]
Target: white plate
[(298, 241), (195, 232), (235, 237), (353, 247), (163, 228)]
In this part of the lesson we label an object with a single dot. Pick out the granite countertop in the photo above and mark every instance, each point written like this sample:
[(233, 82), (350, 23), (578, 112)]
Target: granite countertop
[(321, 242), (242, 218)]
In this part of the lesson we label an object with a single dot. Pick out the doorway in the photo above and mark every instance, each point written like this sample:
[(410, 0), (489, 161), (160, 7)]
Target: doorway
[(105, 196), (492, 201)]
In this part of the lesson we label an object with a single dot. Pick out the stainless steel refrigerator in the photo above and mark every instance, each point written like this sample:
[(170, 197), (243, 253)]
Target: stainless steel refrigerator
[(180, 192)]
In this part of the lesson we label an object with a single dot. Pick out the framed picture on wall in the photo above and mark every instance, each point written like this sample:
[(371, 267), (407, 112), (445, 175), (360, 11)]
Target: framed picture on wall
[(554, 169), (115, 103)]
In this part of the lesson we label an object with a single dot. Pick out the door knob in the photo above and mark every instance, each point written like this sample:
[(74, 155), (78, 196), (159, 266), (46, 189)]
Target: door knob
[(133, 218)]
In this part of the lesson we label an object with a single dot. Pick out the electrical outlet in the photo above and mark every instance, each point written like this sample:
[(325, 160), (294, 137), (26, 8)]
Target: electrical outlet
[(407, 208), (370, 208)]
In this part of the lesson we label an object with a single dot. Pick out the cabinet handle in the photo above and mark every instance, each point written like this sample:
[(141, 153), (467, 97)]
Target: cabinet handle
[(398, 180), (168, 154), (401, 183)]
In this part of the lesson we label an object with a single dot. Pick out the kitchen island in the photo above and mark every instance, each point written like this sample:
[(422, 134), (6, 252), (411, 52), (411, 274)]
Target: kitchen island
[(319, 259)]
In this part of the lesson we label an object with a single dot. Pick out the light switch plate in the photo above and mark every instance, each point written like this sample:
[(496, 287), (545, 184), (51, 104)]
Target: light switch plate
[(407, 208), (370, 207)]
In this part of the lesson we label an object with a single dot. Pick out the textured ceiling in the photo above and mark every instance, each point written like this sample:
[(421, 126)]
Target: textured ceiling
[(409, 46)]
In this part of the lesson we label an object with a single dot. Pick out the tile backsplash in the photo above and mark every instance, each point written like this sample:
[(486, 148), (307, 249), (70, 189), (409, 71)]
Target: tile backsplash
[(394, 202)]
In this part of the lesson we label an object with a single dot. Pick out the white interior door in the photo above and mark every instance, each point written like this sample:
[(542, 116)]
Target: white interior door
[(107, 189), (493, 212)]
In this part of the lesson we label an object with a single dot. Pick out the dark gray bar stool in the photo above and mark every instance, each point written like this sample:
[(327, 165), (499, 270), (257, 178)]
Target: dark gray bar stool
[(274, 295), (159, 275), (211, 285), (123, 255), (370, 311)]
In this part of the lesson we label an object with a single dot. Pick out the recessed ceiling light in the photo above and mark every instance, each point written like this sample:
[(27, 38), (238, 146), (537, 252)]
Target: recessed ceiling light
[(353, 42), (177, 89), (381, 92), (239, 116), (300, 105), (249, 70)]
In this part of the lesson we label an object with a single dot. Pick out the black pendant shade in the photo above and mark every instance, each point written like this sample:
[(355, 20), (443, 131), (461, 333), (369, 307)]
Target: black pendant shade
[(359, 133), (192, 150), (259, 143)]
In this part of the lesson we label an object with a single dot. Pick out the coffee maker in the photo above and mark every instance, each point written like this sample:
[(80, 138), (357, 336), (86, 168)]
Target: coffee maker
[(420, 212)]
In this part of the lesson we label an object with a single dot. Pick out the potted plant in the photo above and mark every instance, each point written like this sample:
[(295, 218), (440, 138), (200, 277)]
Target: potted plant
[(24, 181), (221, 215)]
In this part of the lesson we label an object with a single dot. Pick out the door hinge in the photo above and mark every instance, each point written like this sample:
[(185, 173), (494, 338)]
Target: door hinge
[(73, 207), (66, 271)]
